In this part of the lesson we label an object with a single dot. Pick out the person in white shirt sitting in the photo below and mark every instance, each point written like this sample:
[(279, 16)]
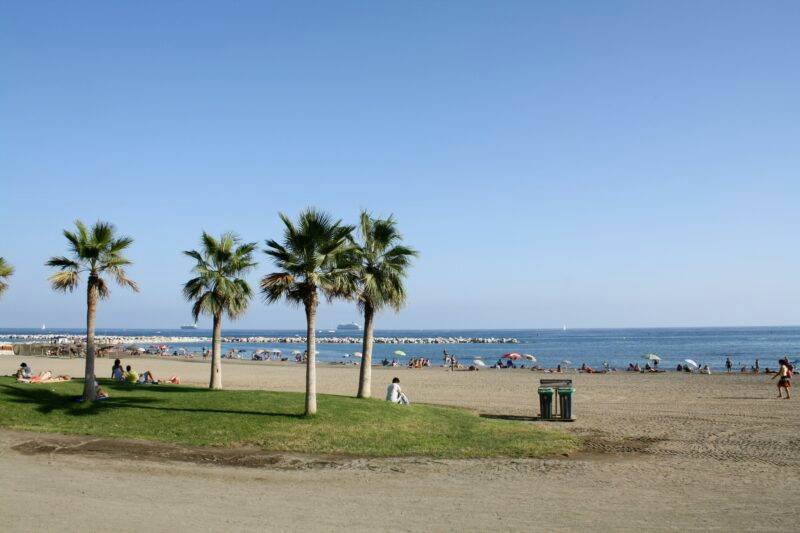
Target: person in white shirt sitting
[(395, 394)]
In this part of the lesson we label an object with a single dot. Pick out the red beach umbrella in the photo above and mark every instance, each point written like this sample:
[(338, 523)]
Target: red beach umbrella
[(512, 355)]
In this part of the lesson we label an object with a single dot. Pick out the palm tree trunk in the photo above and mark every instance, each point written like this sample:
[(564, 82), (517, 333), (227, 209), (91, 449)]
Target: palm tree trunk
[(311, 357), (89, 391), (365, 375), (216, 354)]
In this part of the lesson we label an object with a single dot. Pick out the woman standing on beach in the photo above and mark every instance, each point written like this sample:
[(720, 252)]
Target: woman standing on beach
[(785, 374)]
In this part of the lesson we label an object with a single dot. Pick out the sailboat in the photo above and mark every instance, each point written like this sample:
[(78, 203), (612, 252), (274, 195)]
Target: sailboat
[(564, 328), (43, 327)]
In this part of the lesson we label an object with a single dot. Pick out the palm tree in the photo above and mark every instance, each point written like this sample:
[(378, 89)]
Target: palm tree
[(6, 270), (382, 265), (96, 251), (311, 260), (218, 287)]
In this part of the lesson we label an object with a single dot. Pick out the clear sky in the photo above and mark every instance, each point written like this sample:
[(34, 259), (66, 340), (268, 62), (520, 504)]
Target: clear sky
[(580, 163)]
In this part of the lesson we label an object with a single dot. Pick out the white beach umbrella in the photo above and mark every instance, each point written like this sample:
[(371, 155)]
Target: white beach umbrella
[(478, 362), (357, 354), (529, 357), (691, 362), (651, 357), (401, 353), (296, 352), (566, 362)]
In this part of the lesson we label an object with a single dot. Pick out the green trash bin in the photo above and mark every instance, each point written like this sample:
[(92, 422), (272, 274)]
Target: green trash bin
[(546, 403), (565, 402)]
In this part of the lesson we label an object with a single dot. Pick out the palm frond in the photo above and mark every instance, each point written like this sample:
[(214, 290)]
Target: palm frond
[(64, 280), (218, 286)]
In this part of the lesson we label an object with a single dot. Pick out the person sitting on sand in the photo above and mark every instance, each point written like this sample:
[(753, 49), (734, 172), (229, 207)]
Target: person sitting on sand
[(117, 373), (679, 368), (395, 394), (785, 373), (705, 370)]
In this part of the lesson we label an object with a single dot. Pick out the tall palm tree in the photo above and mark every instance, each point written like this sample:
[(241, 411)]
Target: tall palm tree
[(6, 270), (96, 251), (218, 287), (382, 265), (311, 261)]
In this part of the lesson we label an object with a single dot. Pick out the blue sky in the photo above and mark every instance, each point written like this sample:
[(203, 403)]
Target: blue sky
[(584, 163)]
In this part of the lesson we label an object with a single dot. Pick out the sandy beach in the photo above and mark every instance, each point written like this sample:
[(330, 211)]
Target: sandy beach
[(663, 452)]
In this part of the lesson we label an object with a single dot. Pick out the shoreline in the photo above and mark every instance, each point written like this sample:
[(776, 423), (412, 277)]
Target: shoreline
[(158, 339)]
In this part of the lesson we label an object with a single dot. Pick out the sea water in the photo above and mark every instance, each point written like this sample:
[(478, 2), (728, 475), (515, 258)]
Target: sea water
[(617, 347)]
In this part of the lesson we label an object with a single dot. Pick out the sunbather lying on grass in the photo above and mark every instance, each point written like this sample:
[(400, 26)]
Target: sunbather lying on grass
[(44, 377)]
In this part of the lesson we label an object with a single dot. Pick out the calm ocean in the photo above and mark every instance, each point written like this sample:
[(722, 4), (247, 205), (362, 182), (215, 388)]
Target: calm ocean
[(592, 346)]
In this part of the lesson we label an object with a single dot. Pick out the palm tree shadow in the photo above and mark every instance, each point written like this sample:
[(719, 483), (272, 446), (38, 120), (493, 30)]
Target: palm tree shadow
[(48, 401)]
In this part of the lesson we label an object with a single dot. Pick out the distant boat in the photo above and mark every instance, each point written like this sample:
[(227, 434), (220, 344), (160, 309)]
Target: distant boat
[(564, 328), (189, 326), (43, 326), (348, 327)]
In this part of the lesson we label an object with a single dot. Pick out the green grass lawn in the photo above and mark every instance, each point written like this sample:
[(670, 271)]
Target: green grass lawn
[(272, 421)]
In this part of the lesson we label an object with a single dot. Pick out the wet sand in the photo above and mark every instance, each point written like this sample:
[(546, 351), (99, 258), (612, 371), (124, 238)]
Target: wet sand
[(663, 452)]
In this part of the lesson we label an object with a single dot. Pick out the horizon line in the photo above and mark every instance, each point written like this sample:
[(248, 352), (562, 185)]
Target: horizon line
[(590, 328)]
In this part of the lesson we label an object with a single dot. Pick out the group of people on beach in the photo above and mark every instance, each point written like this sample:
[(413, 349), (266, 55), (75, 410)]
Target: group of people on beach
[(128, 375)]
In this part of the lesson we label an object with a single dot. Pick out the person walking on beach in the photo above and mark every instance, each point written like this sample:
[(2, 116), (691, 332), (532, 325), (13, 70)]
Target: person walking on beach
[(728, 365), (785, 374)]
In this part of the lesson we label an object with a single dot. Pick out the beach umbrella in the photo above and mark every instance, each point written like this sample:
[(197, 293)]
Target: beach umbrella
[(478, 362), (296, 352), (401, 353), (511, 355), (357, 354), (566, 362), (529, 357), (651, 357), (690, 362)]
